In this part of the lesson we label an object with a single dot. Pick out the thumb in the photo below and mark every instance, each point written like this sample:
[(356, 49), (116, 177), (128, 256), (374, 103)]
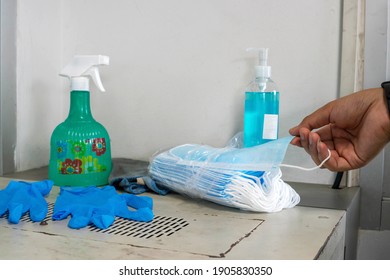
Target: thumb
[(103, 221)]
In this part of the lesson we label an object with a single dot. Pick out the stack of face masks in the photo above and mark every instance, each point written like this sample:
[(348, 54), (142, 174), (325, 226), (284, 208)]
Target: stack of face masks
[(244, 178)]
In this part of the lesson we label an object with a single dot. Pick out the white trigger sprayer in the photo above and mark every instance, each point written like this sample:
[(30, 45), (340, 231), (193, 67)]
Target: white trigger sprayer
[(82, 66)]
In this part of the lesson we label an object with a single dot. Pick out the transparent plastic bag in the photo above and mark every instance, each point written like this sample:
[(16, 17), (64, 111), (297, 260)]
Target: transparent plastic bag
[(244, 178)]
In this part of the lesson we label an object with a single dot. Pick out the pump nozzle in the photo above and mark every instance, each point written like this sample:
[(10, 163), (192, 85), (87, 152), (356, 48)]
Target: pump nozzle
[(82, 66), (263, 69)]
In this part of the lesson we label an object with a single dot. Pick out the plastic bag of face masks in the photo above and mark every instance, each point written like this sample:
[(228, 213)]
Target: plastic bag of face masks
[(244, 178)]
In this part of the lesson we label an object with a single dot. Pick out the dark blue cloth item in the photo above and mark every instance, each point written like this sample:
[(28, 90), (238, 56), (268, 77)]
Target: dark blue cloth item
[(137, 185), (99, 206), (19, 197)]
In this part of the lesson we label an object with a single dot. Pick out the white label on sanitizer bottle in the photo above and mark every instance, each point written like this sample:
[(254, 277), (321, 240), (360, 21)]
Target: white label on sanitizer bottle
[(270, 128)]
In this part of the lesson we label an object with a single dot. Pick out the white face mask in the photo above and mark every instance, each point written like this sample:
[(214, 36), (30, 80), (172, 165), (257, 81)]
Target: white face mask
[(244, 178)]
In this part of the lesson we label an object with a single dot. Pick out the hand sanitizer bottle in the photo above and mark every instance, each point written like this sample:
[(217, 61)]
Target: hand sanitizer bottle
[(261, 113), (80, 153)]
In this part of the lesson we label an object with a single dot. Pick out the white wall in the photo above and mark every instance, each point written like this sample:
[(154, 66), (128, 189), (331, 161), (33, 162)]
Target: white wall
[(40, 102), (178, 69)]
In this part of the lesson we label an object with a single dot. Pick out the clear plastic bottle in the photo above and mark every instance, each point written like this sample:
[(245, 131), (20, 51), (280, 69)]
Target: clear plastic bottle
[(261, 113)]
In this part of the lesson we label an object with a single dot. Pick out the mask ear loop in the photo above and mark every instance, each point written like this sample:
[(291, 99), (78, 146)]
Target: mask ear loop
[(308, 169)]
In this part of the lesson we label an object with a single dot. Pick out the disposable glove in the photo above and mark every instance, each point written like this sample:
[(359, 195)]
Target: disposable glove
[(99, 206), (137, 185), (19, 197)]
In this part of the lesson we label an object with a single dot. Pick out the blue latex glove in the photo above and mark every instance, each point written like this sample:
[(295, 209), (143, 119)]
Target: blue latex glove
[(99, 206), (19, 197), (138, 184)]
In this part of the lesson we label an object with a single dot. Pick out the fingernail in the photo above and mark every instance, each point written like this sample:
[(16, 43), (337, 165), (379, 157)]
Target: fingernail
[(318, 146), (291, 131), (294, 141), (319, 149), (302, 136)]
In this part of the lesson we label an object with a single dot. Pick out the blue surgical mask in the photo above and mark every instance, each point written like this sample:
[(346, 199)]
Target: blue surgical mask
[(244, 178)]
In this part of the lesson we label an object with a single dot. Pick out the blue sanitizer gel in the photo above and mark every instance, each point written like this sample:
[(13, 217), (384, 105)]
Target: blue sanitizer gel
[(261, 117)]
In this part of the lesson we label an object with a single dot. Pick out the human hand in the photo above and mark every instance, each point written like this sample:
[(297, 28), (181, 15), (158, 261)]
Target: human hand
[(355, 128)]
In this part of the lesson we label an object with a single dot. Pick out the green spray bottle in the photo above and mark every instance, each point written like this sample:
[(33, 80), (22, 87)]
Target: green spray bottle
[(80, 152)]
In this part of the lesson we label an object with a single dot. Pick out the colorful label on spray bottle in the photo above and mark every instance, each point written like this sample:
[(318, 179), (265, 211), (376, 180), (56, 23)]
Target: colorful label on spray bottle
[(80, 157)]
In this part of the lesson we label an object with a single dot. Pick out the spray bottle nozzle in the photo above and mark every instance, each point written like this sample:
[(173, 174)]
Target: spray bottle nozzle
[(263, 69), (82, 66)]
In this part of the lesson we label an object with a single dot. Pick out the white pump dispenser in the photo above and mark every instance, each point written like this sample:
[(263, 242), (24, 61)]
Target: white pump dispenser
[(263, 70), (82, 66)]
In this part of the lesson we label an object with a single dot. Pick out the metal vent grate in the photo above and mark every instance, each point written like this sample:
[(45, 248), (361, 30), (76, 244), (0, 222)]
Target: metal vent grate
[(160, 226), (26, 216)]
